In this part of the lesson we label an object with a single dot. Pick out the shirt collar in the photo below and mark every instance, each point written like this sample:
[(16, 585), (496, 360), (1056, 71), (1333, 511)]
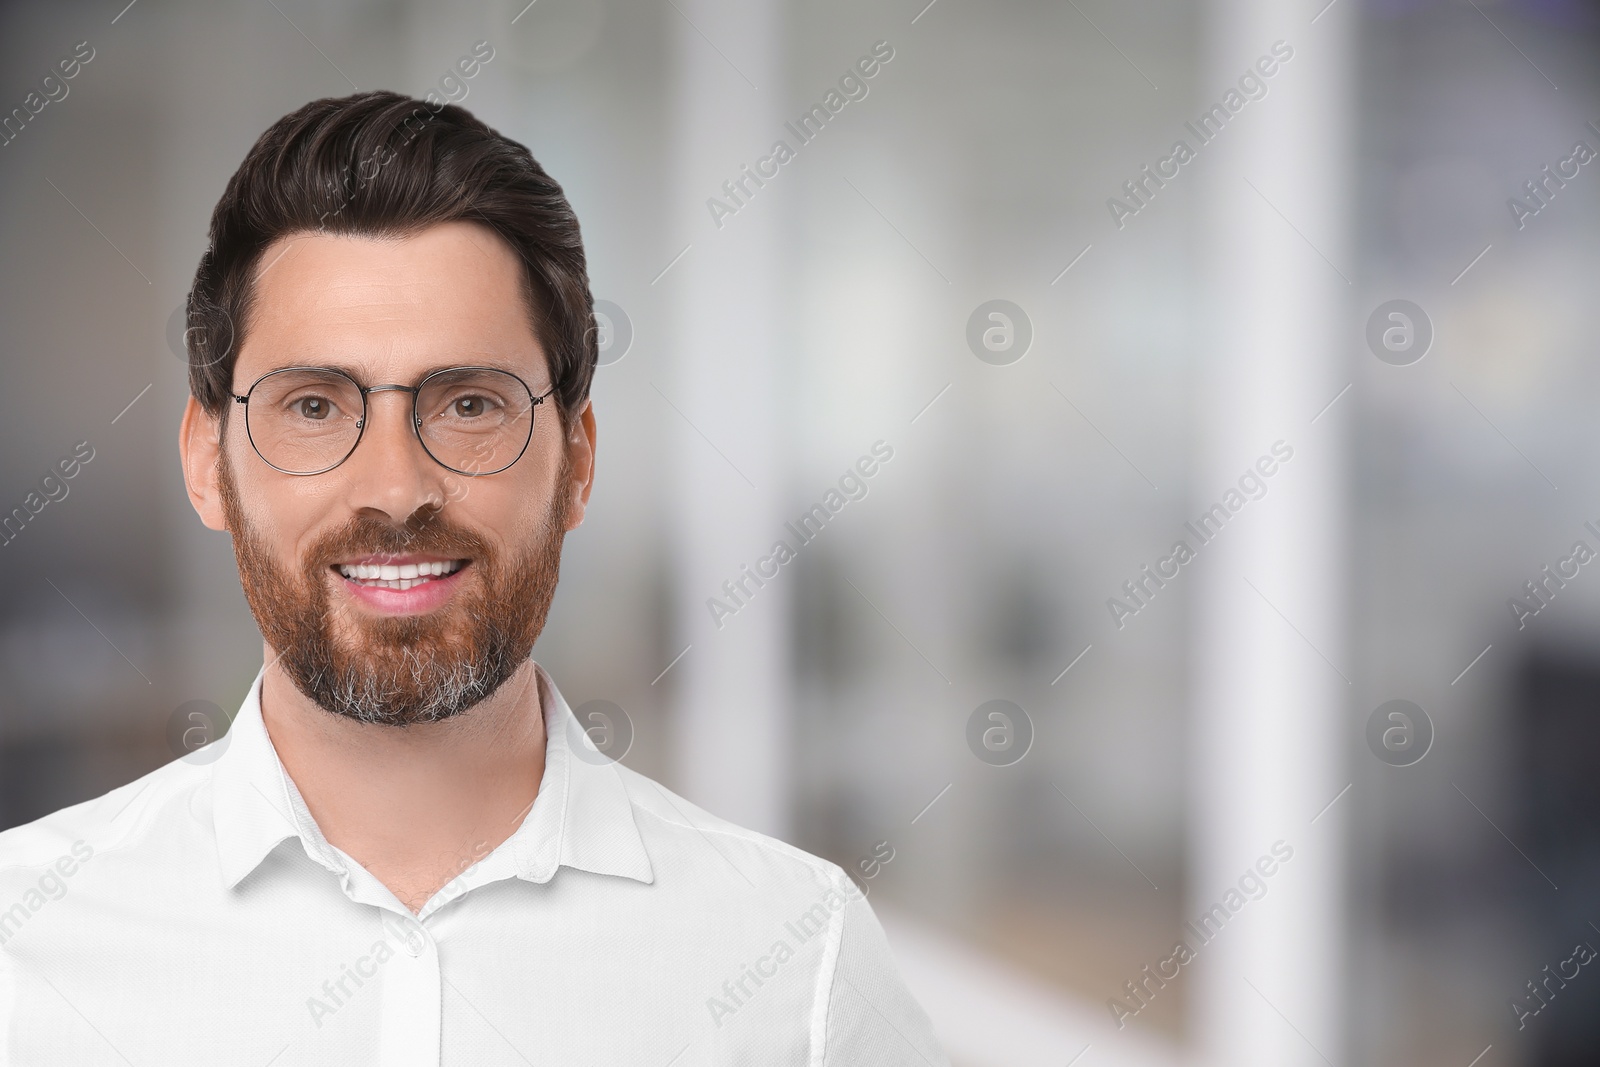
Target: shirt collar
[(582, 816)]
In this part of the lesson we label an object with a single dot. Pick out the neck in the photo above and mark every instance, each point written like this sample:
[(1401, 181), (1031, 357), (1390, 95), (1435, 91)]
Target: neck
[(414, 805)]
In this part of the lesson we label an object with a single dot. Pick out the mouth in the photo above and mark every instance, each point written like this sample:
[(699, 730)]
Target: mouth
[(401, 585), (380, 573)]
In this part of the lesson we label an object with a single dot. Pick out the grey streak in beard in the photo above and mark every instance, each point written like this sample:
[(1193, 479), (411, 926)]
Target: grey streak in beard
[(367, 698)]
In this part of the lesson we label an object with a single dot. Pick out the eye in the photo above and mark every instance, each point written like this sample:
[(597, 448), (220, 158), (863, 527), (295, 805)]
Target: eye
[(472, 406), (313, 408)]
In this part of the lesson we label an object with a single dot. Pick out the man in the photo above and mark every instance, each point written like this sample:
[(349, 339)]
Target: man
[(408, 853)]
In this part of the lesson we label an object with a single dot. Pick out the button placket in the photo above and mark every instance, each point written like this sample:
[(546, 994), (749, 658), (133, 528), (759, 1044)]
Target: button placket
[(409, 1023)]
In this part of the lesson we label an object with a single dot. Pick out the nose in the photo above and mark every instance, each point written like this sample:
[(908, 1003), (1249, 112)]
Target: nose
[(390, 472)]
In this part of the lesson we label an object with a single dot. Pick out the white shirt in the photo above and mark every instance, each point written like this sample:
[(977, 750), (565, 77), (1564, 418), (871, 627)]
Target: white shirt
[(198, 916)]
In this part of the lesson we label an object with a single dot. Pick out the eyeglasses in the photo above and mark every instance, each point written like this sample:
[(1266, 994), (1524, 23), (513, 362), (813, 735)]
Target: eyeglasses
[(471, 420)]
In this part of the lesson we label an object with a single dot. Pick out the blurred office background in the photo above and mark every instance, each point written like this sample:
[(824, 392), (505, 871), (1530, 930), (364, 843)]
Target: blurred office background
[(1151, 355)]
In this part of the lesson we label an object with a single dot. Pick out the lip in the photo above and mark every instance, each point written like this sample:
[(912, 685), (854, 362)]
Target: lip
[(419, 599)]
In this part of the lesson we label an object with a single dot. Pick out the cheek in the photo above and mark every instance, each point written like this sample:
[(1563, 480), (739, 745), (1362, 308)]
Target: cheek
[(544, 473), (507, 514), (287, 519)]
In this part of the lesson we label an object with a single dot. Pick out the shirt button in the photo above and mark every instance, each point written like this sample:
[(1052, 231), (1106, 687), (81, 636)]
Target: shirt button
[(416, 940)]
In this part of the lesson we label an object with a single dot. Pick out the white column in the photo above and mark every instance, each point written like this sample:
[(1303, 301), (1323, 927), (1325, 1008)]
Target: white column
[(721, 417), (1272, 704)]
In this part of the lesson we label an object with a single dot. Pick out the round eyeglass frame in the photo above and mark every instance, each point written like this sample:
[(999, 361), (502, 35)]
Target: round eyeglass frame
[(416, 420)]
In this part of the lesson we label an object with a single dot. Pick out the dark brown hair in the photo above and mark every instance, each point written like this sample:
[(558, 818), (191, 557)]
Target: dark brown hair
[(386, 165)]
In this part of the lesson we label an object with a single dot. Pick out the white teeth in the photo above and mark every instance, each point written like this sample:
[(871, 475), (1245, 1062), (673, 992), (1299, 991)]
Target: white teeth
[(398, 576)]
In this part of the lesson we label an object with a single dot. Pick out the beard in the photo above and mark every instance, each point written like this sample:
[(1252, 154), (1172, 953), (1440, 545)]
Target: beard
[(400, 670)]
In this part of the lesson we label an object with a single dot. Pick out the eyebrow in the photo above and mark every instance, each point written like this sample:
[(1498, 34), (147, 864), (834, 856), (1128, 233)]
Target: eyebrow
[(358, 375)]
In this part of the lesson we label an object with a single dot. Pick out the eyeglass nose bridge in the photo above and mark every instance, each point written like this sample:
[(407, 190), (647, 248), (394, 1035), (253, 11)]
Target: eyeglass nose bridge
[(414, 390)]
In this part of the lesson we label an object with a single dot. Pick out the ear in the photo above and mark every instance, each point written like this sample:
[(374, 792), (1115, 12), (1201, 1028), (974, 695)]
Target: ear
[(200, 451), (580, 450)]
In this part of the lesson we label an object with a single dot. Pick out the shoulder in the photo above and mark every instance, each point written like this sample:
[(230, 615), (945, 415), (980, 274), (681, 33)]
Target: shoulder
[(810, 916), (116, 821), (672, 826)]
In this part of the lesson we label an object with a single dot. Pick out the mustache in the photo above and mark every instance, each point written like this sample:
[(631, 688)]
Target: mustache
[(427, 532)]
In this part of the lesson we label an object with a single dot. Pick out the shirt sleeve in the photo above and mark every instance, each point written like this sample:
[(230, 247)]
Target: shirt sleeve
[(871, 1016)]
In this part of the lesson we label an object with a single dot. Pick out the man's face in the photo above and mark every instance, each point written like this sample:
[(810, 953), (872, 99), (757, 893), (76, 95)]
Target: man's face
[(389, 311)]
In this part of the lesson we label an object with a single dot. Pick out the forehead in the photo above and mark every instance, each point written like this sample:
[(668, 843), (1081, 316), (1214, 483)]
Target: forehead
[(391, 308)]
